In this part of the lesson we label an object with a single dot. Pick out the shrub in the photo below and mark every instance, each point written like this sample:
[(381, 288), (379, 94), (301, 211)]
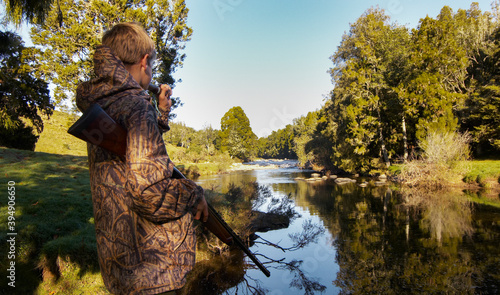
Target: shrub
[(443, 161), (21, 137), (445, 147)]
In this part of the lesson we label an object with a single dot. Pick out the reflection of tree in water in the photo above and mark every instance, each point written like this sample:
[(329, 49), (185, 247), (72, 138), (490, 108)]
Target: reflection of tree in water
[(310, 233), (300, 280), (225, 273), (390, 243), (387, 248), (446, 216), (216, 275)]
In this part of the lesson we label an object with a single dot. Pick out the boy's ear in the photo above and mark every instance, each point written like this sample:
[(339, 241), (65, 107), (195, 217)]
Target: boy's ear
[(144, 61)]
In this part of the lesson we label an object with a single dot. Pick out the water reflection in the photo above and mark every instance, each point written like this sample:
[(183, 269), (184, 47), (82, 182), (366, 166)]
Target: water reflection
[(378, 239), (446, 215), (217, 275)]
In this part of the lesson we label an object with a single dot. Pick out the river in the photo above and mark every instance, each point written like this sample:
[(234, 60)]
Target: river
[(369, 239)]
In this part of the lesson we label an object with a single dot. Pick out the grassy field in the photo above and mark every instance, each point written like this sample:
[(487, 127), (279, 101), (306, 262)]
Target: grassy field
[(53, 222), (56, 140), (483, 172)]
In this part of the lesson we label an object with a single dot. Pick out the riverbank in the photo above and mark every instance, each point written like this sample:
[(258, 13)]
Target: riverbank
[(474, 175), (481, 175), (263, 164)]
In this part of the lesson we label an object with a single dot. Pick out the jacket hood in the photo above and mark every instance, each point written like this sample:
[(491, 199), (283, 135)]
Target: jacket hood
[(111, 78)]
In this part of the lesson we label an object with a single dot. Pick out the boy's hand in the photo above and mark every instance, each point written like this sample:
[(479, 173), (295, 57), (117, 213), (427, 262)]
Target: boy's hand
[(164, 101), (202, 210)]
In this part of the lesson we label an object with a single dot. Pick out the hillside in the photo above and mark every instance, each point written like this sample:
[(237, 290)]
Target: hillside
[(56, 140)]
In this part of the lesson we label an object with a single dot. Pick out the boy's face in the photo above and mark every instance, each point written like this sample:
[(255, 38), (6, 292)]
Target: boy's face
[(151, 59), (149, 73)]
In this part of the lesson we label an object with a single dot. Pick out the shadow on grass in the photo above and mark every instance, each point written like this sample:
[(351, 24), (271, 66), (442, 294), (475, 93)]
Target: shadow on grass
[(53, 217)]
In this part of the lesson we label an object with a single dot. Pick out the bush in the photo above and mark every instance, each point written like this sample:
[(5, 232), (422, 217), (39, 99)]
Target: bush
[(445, 147), (443, 161), (20, 137)]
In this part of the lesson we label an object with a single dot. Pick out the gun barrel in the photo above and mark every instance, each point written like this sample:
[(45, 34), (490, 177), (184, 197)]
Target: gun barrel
[(213, 214)]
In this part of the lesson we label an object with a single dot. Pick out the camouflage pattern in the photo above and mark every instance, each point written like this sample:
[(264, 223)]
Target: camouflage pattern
[(143, 218)]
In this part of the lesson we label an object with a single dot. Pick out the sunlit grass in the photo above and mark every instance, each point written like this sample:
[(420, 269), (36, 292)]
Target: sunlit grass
[(56, 140), (53, 215), (483, 171)]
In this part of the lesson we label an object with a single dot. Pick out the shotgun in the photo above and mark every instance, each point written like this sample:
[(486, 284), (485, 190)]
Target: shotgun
[(97, 127)]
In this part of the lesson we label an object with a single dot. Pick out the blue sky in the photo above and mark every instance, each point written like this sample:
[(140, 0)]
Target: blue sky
[(272, 57)]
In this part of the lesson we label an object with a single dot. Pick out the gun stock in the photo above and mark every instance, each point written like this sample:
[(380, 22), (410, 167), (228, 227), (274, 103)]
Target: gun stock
[(97, 127)]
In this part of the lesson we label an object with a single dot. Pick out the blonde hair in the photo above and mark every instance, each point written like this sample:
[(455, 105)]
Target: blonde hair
[(130, 42)]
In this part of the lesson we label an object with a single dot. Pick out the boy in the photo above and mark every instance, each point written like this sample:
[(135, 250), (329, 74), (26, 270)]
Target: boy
[(143, 217)]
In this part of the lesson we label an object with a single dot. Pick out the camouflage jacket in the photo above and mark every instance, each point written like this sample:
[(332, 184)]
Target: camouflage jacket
[(143, 218)]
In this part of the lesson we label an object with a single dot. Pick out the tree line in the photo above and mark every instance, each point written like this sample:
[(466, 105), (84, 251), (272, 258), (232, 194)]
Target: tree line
[(392, 85)]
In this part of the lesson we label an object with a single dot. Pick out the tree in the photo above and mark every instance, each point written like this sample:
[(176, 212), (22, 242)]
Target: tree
[(236, 135), (278, 145), (308, 143), (207, 138), (482, 114), (72, 29), (23, 97), (360, 74), (479, 35), (33, 11), (179, 134), (435, 86)]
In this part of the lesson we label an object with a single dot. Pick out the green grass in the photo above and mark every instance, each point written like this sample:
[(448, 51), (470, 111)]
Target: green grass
[(483, 171), (56, 140), (53, 217)]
